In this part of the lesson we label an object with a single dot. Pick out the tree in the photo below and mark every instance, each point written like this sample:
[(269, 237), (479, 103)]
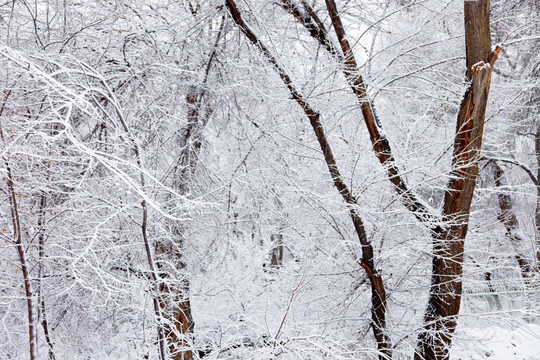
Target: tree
[(165, 197), (448, 238)]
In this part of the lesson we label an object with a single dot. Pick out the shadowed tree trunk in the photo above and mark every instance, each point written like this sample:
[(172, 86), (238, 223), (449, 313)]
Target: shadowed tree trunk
[(174, 297)]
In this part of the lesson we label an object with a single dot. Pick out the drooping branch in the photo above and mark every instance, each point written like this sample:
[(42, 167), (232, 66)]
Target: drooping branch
[(156, 281), (377, 286), (529, 172)]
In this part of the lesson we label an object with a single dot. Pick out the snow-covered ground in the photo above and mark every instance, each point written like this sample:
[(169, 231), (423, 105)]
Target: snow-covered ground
[(498, 343)]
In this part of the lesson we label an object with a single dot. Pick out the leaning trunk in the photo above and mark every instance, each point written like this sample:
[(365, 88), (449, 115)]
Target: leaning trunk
[(378, 293)]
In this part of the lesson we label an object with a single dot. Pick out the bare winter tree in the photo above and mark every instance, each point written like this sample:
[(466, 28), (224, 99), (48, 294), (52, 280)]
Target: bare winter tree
[(169, 174), (449, 236)]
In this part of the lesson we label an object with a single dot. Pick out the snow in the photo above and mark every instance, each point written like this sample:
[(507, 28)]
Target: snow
[(498, 343)]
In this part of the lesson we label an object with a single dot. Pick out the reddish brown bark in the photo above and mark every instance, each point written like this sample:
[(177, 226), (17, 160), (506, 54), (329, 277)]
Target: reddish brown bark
[(444, 302), (174, 302)]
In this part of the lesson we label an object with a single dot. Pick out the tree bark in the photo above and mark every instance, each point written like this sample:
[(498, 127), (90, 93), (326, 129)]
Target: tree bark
[(537, 217), (378, 293), (444, 302), (445, 297), (41, 299), (174, 300)]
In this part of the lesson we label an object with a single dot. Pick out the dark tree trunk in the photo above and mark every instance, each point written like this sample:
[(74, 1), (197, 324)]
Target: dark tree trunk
[(174, 289), (537, 218), (17, 234), (444, 302)]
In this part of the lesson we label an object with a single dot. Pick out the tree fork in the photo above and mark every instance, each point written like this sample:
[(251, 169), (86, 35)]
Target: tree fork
[(380, 144), (377, 286)]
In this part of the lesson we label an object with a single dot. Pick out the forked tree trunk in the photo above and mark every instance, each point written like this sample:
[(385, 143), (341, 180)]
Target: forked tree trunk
[(444, 302), (378, 293)]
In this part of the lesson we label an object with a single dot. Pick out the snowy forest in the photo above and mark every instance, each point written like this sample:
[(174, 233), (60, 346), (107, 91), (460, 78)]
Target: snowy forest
[(269, 179)]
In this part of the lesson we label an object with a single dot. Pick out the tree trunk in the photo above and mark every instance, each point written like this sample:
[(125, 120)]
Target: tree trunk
[(537, 218), (41, 299), (174, 300), (174, 297), (17, 233), (444, 302), (445, 297), (378, 294)]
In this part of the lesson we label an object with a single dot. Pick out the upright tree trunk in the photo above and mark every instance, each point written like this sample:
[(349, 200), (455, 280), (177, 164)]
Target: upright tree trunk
[(174, 299), (17, 233), (537, 218), (41, 299), (174, 296), (440, 319)]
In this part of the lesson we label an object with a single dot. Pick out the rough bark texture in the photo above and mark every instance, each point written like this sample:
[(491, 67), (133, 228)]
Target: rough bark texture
[(378, 313), (174, 301), (445, 295), (174, 287), (444, 302)]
